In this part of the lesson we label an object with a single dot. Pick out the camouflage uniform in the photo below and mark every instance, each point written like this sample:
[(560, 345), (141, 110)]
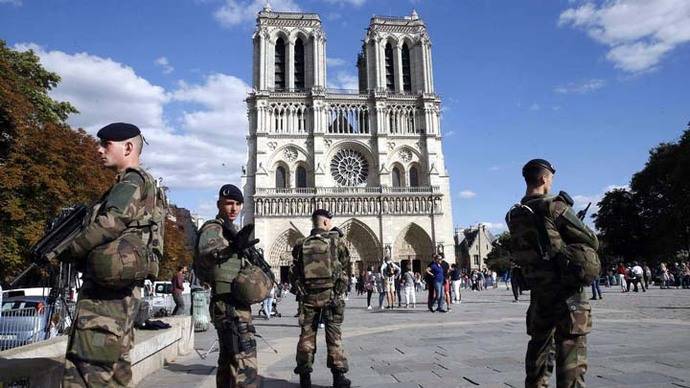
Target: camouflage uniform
[(103, 329), (559, 316), (237, 366), (326, 304)]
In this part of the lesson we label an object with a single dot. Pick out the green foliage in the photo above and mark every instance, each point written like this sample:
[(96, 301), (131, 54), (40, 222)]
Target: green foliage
[(651, 221), (499, 258), (44, 164)]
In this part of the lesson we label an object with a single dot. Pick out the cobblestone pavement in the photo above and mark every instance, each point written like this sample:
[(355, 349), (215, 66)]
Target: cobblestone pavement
[(638, 339)]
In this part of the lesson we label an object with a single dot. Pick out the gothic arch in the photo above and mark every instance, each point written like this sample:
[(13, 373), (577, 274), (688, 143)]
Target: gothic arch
[(413, 242), (281, 250), (280, 33), (300, 33), (278, 156), (362, 242), (396, 156)]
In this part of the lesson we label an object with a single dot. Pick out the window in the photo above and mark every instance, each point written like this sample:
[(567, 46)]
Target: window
[(301, 175), (281, 178), (476, 260), (299, 64), (396, 177), (280, 65), (390, 69), (407, 79), (414, 178)]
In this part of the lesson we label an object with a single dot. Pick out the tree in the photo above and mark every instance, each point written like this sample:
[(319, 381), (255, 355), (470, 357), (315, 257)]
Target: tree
[(175, 252), (499, 258), (44, 164), (651, 221)]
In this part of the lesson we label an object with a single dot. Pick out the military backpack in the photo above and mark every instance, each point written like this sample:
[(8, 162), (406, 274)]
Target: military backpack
[(320, 265), (136, 253)]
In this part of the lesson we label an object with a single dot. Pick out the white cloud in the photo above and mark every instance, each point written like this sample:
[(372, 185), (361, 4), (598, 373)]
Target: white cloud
[(467, 194), (449, 133), (234, 12), (584, 87), (334, 61), (343, 80), (582, 200), (16, 3), (206, 149), (164, 64), (638, 32), (534, 107)]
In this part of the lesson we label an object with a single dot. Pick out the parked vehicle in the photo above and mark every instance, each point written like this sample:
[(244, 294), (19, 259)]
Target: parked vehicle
[(161, 300), (23, 321)]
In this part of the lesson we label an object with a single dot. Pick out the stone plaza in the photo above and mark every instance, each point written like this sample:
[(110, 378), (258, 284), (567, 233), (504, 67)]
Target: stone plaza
[(638, 339)]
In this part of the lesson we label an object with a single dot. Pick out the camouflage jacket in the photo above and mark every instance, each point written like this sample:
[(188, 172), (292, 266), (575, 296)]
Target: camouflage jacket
[(297, 268), (119, 212), (207, 265)]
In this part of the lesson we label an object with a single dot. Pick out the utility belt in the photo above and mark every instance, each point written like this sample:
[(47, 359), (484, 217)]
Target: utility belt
[(92, 290)]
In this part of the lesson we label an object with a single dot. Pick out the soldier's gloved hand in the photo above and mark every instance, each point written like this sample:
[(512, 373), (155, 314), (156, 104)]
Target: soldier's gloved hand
[(242, 240)]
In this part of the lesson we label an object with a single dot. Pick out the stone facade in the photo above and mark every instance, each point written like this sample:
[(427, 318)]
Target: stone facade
[(371, 156), (472, 246)]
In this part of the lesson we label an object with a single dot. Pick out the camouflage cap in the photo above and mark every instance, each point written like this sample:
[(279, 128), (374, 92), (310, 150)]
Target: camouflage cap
[(118, 132), (538, 163)]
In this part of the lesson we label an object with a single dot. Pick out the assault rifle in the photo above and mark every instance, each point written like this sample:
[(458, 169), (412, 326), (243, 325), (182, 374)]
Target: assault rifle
[(60, 232), (582, 213), (247, 250)]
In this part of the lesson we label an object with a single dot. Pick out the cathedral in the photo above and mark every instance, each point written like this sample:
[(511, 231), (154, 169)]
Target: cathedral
[(371, 156)]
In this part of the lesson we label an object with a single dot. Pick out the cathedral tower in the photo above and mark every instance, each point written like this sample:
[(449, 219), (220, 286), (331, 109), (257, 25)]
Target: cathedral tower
[(371, 156)]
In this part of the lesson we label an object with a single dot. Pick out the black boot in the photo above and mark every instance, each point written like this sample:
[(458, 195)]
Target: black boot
[(305, 380), (340, 381)]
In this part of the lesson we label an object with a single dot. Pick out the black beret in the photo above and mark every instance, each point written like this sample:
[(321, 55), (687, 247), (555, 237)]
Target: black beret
[(322, 213), (231, 192), (118, 132), (540, 163)]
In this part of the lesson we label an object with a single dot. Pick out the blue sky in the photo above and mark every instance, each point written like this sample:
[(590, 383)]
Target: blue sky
[(591, 86)]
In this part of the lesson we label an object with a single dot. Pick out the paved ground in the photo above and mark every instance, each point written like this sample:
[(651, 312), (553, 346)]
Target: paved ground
[(639, 339)]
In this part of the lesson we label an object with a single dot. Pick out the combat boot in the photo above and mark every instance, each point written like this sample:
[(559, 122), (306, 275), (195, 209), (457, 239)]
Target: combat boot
[(305, 380), (340, 381)]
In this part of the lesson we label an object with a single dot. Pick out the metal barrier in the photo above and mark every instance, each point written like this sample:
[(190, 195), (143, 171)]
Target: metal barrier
[(23, 326)]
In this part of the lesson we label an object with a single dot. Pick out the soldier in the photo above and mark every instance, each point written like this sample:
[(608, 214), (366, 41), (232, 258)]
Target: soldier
[(557, 254), (110, 250), (320, 272), (218, 263)]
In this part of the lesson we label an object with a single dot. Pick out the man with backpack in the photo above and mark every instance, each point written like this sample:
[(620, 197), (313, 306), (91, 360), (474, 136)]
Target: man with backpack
[(390, 271), (557, 254), (117, 249), (320, 273)]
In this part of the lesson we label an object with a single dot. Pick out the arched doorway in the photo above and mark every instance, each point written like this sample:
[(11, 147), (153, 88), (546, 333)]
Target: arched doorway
[(413, 245), (280, 255), (364, 247)]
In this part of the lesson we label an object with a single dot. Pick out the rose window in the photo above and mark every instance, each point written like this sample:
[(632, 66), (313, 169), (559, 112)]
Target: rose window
[(349, 168)]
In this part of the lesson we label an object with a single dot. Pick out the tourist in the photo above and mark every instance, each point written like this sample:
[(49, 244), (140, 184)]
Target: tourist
[(435, 271), (380, 288), (408, 284), (456, 279), (620, 270), (369, 283)]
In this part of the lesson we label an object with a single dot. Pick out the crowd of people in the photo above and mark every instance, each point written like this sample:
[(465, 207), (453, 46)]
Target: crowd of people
[(636, 276)]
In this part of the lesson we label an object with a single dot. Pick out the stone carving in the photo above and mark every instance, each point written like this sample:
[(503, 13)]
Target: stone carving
[(272, 145), (327, 143), (391, 146), (290, 154), (405, 155), (349, 168)]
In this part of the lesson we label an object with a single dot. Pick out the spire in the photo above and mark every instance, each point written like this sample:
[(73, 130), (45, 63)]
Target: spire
[(267, 7), (414, 15)]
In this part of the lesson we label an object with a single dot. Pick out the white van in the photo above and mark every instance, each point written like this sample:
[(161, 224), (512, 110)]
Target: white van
[(161, 300)]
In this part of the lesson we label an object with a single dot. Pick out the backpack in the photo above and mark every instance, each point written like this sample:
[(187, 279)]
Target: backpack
[(529, 244), (321, 267)]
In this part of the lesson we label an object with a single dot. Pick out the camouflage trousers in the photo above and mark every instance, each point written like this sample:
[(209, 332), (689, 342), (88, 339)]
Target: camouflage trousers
[(331, 314), (237, 366), (558, 328), (101, 337)]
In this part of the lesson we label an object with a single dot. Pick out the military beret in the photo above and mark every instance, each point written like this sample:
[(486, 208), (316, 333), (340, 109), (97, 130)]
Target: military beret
[(541, 163), (322, 213), (231, 192), (118, 132)]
